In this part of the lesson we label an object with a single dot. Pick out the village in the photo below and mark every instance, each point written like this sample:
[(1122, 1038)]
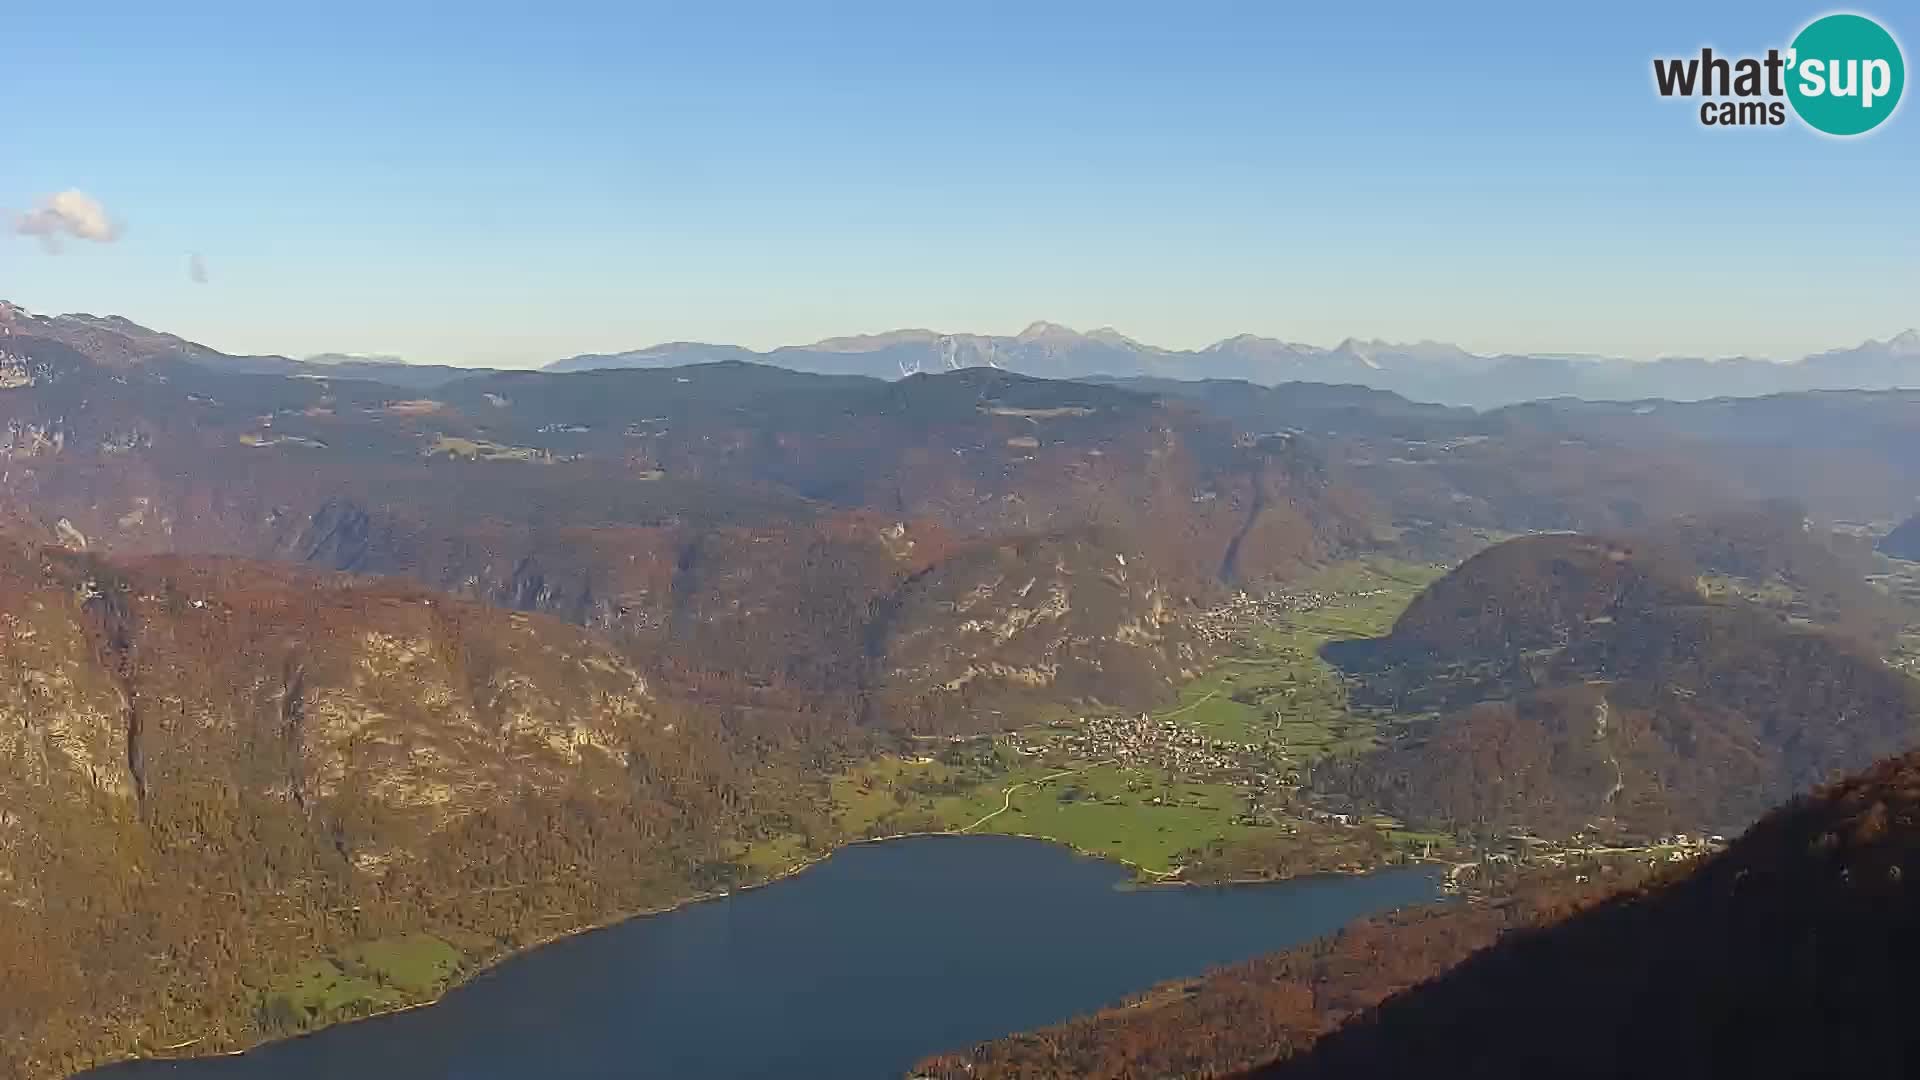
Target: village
[(1144, 741), (1226, 622), (1580, 850), (1147, 741), (1257, 761)]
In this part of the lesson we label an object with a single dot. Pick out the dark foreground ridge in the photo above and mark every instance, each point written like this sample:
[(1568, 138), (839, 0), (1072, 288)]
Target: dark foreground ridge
[(1790, 954), (1785, 955)]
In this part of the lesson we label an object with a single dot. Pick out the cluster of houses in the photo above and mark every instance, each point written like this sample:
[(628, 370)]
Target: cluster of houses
[(1227, 621), (1144, 741)]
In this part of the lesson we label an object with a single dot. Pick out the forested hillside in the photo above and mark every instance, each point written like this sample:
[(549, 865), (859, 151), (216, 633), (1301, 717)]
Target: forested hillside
[(215, 774), (752, 535), (1781, 956), (1561, 684), (328, 689), (1245, 1015), (1784, 956)]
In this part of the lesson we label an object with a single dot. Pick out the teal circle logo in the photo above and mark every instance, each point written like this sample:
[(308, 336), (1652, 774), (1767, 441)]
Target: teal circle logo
[(1845, 74)]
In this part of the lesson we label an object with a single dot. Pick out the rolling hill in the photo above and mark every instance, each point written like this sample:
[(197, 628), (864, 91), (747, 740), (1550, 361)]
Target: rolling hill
[(758, 533), (1568, 683)]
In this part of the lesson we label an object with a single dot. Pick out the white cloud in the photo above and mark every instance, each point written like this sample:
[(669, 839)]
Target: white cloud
[(197, 268), (70, 213)]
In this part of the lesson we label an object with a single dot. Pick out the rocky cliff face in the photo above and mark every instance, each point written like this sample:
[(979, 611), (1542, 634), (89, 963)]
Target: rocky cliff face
[(135, 663), (1081, 617), (213, 770), (753, 531)]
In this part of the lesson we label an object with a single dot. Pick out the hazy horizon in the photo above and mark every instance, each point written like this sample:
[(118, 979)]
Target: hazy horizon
[(337, 356), (496, 191)]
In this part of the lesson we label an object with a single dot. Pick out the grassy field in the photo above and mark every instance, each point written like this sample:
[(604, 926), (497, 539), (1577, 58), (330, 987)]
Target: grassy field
[(1375, 592), (1135, 816), (416, 963), (768, 857), (1274, 691), (1902, 581), (866, 797), (366, 978), (1279, 690)]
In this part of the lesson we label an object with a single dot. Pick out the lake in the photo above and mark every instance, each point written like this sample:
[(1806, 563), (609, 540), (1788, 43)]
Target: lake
[(857, 968)]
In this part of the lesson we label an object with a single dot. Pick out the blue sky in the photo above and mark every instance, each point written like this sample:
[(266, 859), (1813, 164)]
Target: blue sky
[(512, 184)]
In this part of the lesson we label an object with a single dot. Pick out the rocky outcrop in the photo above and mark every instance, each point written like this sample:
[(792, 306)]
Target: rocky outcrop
[(1083, 616), (212, 771)]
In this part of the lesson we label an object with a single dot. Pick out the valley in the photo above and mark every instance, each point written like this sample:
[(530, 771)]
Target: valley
[(1900, 579), (342, 692), (1207, 789), (957, 542)]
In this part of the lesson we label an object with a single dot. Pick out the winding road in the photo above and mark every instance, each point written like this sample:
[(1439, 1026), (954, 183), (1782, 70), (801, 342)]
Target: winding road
[(1209, 696), (1007, 803)]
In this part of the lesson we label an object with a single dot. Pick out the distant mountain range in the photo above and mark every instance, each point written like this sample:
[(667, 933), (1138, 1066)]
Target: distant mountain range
[(118, 341), (1424, 371), (336, 359)]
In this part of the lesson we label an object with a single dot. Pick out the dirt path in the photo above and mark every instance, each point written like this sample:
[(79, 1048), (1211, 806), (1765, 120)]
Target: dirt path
[(1209, 696), (1007, 803)]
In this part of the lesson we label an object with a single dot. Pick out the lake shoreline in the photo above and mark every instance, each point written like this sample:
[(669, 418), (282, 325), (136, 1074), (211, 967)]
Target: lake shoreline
[(1144, 879)]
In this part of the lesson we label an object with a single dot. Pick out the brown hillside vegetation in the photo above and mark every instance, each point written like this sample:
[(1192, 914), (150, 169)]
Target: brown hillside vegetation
[(212, 773), (1774, 557), (1564, 683), (301, 662), (752, 536), (1441, 475), (1785, 956), (1537, 592)]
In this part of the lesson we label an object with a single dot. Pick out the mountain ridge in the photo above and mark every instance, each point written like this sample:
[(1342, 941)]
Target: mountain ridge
[(1425, 370)]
